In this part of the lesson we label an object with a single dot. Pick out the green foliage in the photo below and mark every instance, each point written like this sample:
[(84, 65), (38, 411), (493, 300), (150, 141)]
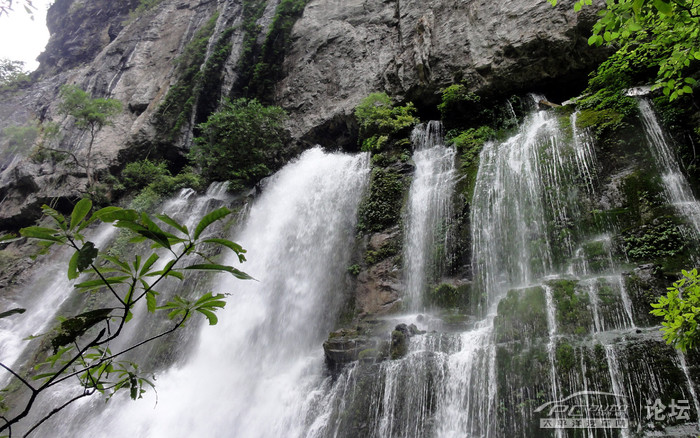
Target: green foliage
[(138, 174), (566, 359), (604, 107), (20, 138), (659, 36), (380, 120), (655, 241), (445, 295), (252, 11), (268, 69), (389, 249), (679, 308), (209, 87), (81, 343), (456, 98), (521, 315), (143, 7), (89, 113), (240, 142), (469, 144), (12, 75), (382, 206), (354, 270), (573, 313), (175, 111)]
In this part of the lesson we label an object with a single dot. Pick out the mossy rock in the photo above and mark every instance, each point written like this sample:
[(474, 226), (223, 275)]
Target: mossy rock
[(573, 309), (521, 316)]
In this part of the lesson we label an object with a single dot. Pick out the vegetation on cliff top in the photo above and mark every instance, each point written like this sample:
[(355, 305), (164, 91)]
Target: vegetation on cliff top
[(380, 120), (653, 38)]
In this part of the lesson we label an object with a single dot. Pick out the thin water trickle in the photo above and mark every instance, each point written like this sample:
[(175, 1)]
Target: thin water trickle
[(676, 186)]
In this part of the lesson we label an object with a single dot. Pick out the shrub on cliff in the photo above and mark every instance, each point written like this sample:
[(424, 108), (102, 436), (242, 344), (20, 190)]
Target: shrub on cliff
[(241, 142), (379, 120)]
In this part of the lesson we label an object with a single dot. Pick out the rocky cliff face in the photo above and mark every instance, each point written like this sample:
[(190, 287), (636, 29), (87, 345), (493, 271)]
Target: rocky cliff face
[(338, 52)]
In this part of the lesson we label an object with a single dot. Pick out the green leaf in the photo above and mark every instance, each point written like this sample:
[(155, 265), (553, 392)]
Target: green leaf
[(72, 328), (146, 266), (42, 233), (233, 246), (86, 256), (637, 6), (633, 26), (111, 214), (173, 223), (151, 301), (577, 7), (209, 315), (9, 238), (96, 284), (123, 265), (687, 89), (210, 219), (57, 217), (11, 312), (73, 266), (81, 209), (220, 268), (663, 7)]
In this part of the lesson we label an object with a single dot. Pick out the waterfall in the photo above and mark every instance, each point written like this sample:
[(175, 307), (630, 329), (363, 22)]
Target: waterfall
[(59, 299), (554, 318), (511, 247), (251, 375), (676, 187), (429, 208)]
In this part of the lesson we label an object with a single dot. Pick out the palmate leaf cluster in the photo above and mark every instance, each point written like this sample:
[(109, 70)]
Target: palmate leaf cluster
[(81, 344), (658, 35)]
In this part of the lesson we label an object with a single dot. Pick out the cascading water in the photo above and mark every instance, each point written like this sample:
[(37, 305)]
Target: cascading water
[(429, 207), (44, 293), (251, 375), (186, 207), (555, 317), (676, 187)]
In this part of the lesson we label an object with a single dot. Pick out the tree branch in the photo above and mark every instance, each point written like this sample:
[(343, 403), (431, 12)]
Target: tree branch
[(27, 384), (112, 357), (54, 411), (62, 151)]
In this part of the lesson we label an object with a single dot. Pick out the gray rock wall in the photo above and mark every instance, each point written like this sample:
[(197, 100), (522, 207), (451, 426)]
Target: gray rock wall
[(340, 52)]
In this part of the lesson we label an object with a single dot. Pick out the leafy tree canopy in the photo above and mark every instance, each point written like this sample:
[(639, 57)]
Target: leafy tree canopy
[(379, 119), (93, 113), (241, 142), (656, 35), (12, 74)]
